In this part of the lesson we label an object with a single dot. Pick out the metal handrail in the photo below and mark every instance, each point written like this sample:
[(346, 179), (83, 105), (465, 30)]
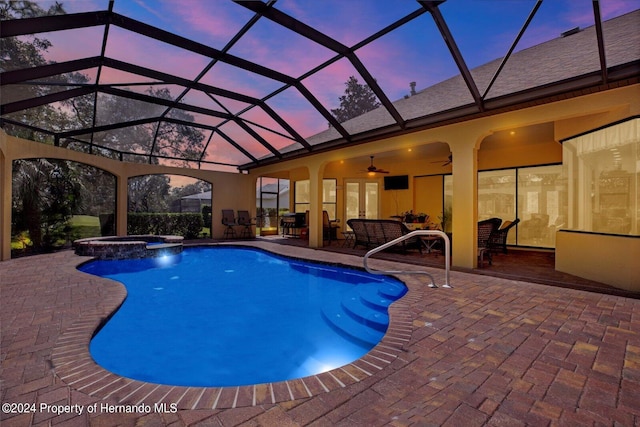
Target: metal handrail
[(447, 259)]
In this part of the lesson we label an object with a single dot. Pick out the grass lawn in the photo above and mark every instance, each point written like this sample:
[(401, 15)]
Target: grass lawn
[(84, 226)]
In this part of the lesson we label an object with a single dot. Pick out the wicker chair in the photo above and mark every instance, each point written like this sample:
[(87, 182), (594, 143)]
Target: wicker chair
[(498, 239), (485, 229), (329, 227)]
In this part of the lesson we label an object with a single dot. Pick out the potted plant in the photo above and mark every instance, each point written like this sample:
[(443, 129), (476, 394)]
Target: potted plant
[(445, 218)]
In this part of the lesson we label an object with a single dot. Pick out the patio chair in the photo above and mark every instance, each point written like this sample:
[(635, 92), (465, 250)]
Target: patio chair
[(329, 227), (244, 220), (229, 220), (498, 239), (485, 228)]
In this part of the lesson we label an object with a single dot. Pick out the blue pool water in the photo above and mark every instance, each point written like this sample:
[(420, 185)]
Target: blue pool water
[(226, 316)]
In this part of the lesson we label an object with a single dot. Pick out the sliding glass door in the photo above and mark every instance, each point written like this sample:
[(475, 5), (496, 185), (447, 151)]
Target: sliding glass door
[(536, 195)]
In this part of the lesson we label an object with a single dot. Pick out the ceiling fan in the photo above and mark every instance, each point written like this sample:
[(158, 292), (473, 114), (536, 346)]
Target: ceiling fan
[(372, 169), (447, 162)]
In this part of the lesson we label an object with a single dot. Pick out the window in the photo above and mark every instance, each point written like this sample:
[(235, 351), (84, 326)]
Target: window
[(329, 197), (447, 214), (542, 205), (272, 202), (603, 182), (303, 197), (536, 195), (497, 194)]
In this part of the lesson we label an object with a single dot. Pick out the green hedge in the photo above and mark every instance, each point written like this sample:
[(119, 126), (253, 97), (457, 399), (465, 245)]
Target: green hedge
[(188, 225)]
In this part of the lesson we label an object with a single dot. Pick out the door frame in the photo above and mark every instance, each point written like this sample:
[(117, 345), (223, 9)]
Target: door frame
[(362, 195)]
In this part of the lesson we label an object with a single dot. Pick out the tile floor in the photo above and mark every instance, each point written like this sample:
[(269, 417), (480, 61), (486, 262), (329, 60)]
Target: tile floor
[(490, 351)]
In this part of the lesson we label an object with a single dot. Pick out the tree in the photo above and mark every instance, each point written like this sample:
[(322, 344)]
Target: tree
[(46, 194), (357, 100), (26, 52), (149, 193), (29, 51), (40, 203), (196, 187), (32, 207)]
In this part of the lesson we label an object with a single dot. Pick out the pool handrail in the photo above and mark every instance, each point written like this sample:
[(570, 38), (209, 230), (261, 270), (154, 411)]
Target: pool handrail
[(416, 233)]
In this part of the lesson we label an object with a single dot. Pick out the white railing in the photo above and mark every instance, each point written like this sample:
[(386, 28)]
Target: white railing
[(417, 233)]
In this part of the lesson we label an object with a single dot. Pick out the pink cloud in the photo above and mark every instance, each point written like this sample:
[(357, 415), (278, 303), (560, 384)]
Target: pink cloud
[(272, 46), (219, 20), (307, 123), (130, 47), (613, 8), (73, 44), (395, 66), (329, 84), (113, 76), (297, 112), (231, 78)]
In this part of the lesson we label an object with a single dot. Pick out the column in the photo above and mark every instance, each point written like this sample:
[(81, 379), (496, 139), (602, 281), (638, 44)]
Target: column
[(465, 204)]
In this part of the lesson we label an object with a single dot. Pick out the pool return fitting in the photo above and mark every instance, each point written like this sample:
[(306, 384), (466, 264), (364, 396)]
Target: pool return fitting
[(416, 233)]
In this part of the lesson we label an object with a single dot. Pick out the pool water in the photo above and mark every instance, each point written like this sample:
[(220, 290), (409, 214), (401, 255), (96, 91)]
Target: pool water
[(228, 316)]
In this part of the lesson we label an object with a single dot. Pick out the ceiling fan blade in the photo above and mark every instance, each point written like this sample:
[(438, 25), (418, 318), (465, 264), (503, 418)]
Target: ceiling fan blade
[(373, 169), (446, 162)]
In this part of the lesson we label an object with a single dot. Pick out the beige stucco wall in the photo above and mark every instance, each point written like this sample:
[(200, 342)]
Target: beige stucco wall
[(603, 258)]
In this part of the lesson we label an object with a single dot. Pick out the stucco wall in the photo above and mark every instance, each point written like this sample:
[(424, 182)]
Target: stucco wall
[(230, 191), (609, 259)]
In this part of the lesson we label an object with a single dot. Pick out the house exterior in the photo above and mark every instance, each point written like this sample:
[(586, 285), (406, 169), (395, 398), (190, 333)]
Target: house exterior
[(550, 106)]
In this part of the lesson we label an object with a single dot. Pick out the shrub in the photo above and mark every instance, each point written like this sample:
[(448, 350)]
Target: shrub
[(187, 225)]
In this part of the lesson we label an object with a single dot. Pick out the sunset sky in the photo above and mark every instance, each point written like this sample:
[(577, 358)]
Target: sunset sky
[(415, 52)]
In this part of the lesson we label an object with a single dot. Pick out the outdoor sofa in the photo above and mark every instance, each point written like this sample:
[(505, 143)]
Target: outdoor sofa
[(372, 233)]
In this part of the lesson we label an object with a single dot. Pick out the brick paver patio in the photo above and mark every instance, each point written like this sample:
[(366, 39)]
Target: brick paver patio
[(490, 351)]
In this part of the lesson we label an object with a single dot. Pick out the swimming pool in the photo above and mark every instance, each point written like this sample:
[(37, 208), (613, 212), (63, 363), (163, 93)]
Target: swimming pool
[(230, 316)]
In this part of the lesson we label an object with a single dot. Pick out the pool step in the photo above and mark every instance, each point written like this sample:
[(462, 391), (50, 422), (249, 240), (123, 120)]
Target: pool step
[(362, 313), (373, 317), (393, 291), (345, 324), (372, 298)]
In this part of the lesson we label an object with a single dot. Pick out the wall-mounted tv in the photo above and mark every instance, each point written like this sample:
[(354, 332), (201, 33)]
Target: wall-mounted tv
[(397, 182)]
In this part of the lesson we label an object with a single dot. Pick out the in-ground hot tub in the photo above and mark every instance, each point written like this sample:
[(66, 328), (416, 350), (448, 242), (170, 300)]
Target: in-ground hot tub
[(128, 247)]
